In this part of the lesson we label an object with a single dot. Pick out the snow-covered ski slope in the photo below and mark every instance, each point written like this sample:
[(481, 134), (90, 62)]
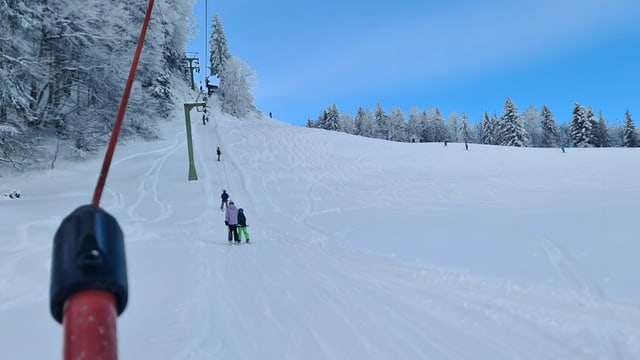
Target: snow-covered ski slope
[(361, 248)]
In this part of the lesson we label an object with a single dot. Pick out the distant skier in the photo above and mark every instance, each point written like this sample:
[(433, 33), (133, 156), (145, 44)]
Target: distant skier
[(242, 226), (224, 197), (218, 152), (231, 220)]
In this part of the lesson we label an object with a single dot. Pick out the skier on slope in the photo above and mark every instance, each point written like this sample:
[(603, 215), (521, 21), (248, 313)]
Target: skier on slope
[(218, 152), (224, 197), (231, 220), (242, 226)]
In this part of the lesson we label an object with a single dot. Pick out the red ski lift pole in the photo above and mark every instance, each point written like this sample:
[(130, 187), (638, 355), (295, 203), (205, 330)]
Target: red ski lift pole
[(89, 287)]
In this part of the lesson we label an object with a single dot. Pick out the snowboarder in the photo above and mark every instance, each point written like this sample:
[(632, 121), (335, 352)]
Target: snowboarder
[(218, 152), (224, 197), (242, 226), (231, 220)]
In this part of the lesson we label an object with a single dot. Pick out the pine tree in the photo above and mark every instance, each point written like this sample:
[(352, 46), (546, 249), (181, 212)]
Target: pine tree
[(630, 136), (595, 127), (236, 81), (397, 125), (603, 131), (581, 131), (427, 125), (549, 128), (512, 132), (453, 126), (415, 125), (440, 130), (530, 120), (489, 125), (311, 123), (467, 131), (346, 123), (382, 123), (359, 124), (331, 118), (219, 54), (364, 123)]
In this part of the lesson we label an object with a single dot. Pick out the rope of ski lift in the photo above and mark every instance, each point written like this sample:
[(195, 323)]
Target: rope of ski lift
[(89, 287), (123, 108)]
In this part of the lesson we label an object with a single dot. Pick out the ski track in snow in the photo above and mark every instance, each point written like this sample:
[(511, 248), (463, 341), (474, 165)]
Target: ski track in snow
[(148, 192)]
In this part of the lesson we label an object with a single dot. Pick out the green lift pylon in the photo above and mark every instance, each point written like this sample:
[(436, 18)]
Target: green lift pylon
[(187, 109)]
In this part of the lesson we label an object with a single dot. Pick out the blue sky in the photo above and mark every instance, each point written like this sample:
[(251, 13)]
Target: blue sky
[(459, 56)]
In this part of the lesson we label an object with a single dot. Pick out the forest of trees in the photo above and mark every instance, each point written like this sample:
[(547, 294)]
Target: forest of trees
[(63, 67), (533, 128), (64, 64)]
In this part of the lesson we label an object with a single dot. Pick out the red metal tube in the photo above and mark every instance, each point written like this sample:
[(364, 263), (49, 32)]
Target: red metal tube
[(90, 318)]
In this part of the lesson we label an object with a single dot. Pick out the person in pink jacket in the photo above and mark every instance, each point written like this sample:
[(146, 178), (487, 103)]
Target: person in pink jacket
[(231, 220)]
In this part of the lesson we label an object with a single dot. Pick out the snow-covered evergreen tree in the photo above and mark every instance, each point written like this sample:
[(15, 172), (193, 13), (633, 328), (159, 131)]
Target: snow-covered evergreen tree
[(311, 124), (346, 123), (359, 122), (364, 123), (603, 131), (382, 123), (454, 122), (511, 131), (630, 137), (397, 125), (595, 127), (466, 130), (415, 125), (440, 130), (489, 128), (236, 81), (531, 122), (330, 119), (581, 128), (219, 55), (549, 136), (426, 123)]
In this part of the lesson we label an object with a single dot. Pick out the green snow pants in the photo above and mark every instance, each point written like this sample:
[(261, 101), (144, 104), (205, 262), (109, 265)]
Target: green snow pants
[(242, 230)]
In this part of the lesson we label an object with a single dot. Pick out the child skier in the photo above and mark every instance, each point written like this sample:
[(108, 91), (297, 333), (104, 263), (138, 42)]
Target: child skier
[(242, 225)]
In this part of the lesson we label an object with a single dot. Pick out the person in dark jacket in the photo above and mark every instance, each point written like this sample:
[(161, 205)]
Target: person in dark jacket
[(218, 152), (242, 226), (231, 220), (225, 198)]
